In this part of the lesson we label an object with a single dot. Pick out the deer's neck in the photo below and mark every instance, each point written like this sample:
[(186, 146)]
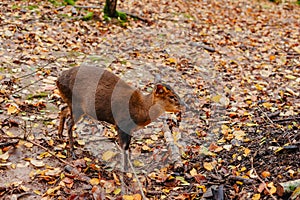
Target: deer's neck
[(143, 109)]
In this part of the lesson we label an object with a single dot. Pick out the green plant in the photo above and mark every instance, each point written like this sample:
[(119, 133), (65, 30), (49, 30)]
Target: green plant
[(122, 16), (32, 7), (70, 2), (88, 16), (15, 7), (56, 3)]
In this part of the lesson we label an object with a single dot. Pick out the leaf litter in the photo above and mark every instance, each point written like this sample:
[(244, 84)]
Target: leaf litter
[(234, 63)]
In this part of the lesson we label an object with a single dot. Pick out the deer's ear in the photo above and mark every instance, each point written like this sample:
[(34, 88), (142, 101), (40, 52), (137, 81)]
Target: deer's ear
[(160, 89)]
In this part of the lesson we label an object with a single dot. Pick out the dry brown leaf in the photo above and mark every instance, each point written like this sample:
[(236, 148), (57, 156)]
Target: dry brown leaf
[(209, 165), (12, 109), (256, 197), (193, 172), (94, 181), (4, 156), (37, 163), (108, 155)]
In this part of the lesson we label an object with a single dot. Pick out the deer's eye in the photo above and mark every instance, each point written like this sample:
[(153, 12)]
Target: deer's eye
[(172, 97)]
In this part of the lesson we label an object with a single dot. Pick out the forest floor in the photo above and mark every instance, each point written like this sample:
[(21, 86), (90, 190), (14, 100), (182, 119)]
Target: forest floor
[(235, 64)]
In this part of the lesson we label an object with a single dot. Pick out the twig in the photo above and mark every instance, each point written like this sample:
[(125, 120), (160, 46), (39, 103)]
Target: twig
[(262, 181), (201, 45), (34, 143), (137, 179), (239, 178), (87, 7), (138, 17), (60, 8), (274, 114), (26, 75), (45, 65), (5, 144), (61, 160), (265, 115), (287, 119), (270, 120), (26, 86)]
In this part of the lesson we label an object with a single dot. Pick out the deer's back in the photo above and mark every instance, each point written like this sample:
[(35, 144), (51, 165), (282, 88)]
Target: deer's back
[(92, 91)]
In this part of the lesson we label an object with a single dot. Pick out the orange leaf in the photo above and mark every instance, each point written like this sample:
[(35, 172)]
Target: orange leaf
[(13, 108), (94, 181), (272, 57), (209, 165), (265, 174)]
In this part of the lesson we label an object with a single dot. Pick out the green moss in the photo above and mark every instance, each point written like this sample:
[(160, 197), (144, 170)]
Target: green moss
[(37, 96), (32, 7), (122, 16), (106, 17), (70, 2), (123, 62), (187, 15), (15, 7), (88, 16), (56, 3), (64, 16)]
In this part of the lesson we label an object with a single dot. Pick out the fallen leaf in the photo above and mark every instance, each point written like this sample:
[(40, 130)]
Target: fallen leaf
[(239, 135), (94, 181), (193, 172), (52, 191), (108, 155), (37, 163), (227, 147), (4, 156), (256, 197), (28, 144), (209, 165), (271, 187), (117, 191), (128, 197), (182, 180), (214, 147), (24, 188), (295, 194), (246, 151), (138, 163), (171, 61), (12, 109), (290, 77), (146, 148), (81, 142), (265, 174)]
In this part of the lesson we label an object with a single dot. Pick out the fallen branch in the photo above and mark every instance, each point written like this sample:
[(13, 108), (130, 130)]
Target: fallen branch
[(287, 119), (36, 144), (239, 178), (89, 7), (6, 144), (271, 121), (262, 181), (201, 45), (138, 17)]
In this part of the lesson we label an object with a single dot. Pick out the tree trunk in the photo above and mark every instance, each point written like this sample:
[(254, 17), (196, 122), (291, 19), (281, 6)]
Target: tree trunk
[(110, 8)]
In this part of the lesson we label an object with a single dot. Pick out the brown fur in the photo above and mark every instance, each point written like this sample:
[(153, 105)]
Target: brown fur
[(102, 95)]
